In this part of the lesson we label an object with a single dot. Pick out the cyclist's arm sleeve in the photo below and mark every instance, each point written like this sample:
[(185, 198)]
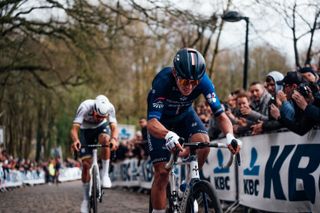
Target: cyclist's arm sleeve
[(112, 115), (209, 93), (156, 100), (82, 110)]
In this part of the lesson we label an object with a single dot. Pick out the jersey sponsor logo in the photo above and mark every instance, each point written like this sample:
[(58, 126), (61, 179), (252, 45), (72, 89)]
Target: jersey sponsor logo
[(211, 98), (184, 98), (158, 103)]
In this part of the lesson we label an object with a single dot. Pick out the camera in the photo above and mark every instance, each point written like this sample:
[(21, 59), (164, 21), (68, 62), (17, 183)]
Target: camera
[(304, 89)]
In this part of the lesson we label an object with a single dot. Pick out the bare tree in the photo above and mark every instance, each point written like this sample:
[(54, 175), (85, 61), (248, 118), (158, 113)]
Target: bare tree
[(299, 16)]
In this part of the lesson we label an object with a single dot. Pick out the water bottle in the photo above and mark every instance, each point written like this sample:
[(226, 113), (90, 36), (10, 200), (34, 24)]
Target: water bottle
[(183, 186)]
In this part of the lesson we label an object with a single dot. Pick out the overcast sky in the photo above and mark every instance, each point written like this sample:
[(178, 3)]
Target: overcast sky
[(266, 26)]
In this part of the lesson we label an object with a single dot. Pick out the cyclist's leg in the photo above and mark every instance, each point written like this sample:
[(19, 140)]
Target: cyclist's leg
[(193, 127), (159, 186), (159, 156), (86, 137), (103, 138), (204, 152)]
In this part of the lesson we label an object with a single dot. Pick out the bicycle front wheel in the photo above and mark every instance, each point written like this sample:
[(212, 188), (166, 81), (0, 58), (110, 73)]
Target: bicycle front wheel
[(94, 191), (203, 199)]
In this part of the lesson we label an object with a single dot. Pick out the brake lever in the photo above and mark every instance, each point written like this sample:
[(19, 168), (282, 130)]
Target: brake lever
[(75, 155), (234, 145)]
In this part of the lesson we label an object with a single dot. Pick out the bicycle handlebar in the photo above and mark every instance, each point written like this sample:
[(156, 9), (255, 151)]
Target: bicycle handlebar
[(95, 146), (91, 146), (199, 145)]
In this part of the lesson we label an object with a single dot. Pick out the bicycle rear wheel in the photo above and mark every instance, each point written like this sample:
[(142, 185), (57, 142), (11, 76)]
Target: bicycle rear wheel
[(94, 199), (203, 197)]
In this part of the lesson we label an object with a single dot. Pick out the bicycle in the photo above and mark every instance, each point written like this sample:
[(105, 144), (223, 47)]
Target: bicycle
[(199, 195), (95, 188)]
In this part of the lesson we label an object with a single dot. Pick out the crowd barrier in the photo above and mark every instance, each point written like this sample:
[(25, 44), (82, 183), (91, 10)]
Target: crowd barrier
[(14, 178), (279, 172)]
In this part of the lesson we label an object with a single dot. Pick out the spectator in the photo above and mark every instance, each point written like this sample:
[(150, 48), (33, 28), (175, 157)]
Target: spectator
[(51, 170), (299, 123), (259, 102), (57, 167), (243, 120), (309, 74), (204, 112), (122, 150), (311, 111), (272, 87), (136, 145)]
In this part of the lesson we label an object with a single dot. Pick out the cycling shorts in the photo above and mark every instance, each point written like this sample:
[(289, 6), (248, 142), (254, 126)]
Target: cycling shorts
[(185, 126), (90, 136)]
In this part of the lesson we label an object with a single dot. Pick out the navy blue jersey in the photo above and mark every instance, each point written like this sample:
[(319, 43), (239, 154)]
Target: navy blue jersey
[(165, 99)]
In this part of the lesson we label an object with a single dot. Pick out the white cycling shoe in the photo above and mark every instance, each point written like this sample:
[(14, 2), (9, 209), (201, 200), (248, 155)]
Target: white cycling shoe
[(195, 206), (106, 182), (84, 206)]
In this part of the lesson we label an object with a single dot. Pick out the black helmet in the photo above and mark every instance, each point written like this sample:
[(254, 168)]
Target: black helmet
[(189, 64)]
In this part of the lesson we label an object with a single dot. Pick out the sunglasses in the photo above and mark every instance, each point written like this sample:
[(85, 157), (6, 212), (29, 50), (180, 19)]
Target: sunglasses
[(99, 116), (187, 82)]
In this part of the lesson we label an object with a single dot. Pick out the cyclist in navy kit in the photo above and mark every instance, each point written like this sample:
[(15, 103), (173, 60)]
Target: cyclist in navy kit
[(171, 116)]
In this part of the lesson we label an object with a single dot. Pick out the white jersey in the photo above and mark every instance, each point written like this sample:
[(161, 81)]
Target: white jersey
[(85, 118)]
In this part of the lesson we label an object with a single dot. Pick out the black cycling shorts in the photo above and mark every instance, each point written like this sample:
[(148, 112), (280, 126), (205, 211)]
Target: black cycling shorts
[(90, 136)]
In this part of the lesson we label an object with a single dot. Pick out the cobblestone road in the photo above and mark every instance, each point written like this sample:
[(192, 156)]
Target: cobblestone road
[(66, 198)]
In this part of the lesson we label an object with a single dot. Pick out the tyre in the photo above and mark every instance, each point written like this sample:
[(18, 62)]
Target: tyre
[(203, 197), (94, 199), (169, 208)]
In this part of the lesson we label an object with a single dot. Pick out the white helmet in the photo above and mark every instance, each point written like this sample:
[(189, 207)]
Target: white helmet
[(101, 105)]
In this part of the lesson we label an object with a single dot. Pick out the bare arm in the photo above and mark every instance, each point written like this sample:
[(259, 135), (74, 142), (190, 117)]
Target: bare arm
[(114, 136), (156, 129), (225, 123), (226, 127), (75, 137), (114, 130)]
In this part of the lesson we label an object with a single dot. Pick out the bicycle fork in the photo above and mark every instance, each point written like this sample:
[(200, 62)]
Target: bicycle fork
[(95, 164), (194, 175), (173, 191)]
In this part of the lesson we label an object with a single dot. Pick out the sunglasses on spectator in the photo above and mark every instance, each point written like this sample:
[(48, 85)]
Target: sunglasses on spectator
[(187, 82)]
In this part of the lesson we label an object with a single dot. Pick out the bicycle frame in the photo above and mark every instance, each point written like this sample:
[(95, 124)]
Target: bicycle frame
[(95, 164), (193, 175)]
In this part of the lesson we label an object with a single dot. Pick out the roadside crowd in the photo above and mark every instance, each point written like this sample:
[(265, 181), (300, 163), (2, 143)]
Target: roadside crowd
[(290, 101), (50, 168)]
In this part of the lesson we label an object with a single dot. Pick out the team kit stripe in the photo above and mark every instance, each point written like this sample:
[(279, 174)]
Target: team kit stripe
[(193, 59)]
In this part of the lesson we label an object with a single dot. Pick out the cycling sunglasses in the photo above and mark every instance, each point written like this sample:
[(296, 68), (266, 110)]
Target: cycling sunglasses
[(187, 82), (99, 116)]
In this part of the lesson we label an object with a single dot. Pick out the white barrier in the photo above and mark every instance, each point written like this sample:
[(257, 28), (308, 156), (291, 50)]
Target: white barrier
[(128, 173), (33, 178), (15, 178), (279, 172), (69, 174)]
